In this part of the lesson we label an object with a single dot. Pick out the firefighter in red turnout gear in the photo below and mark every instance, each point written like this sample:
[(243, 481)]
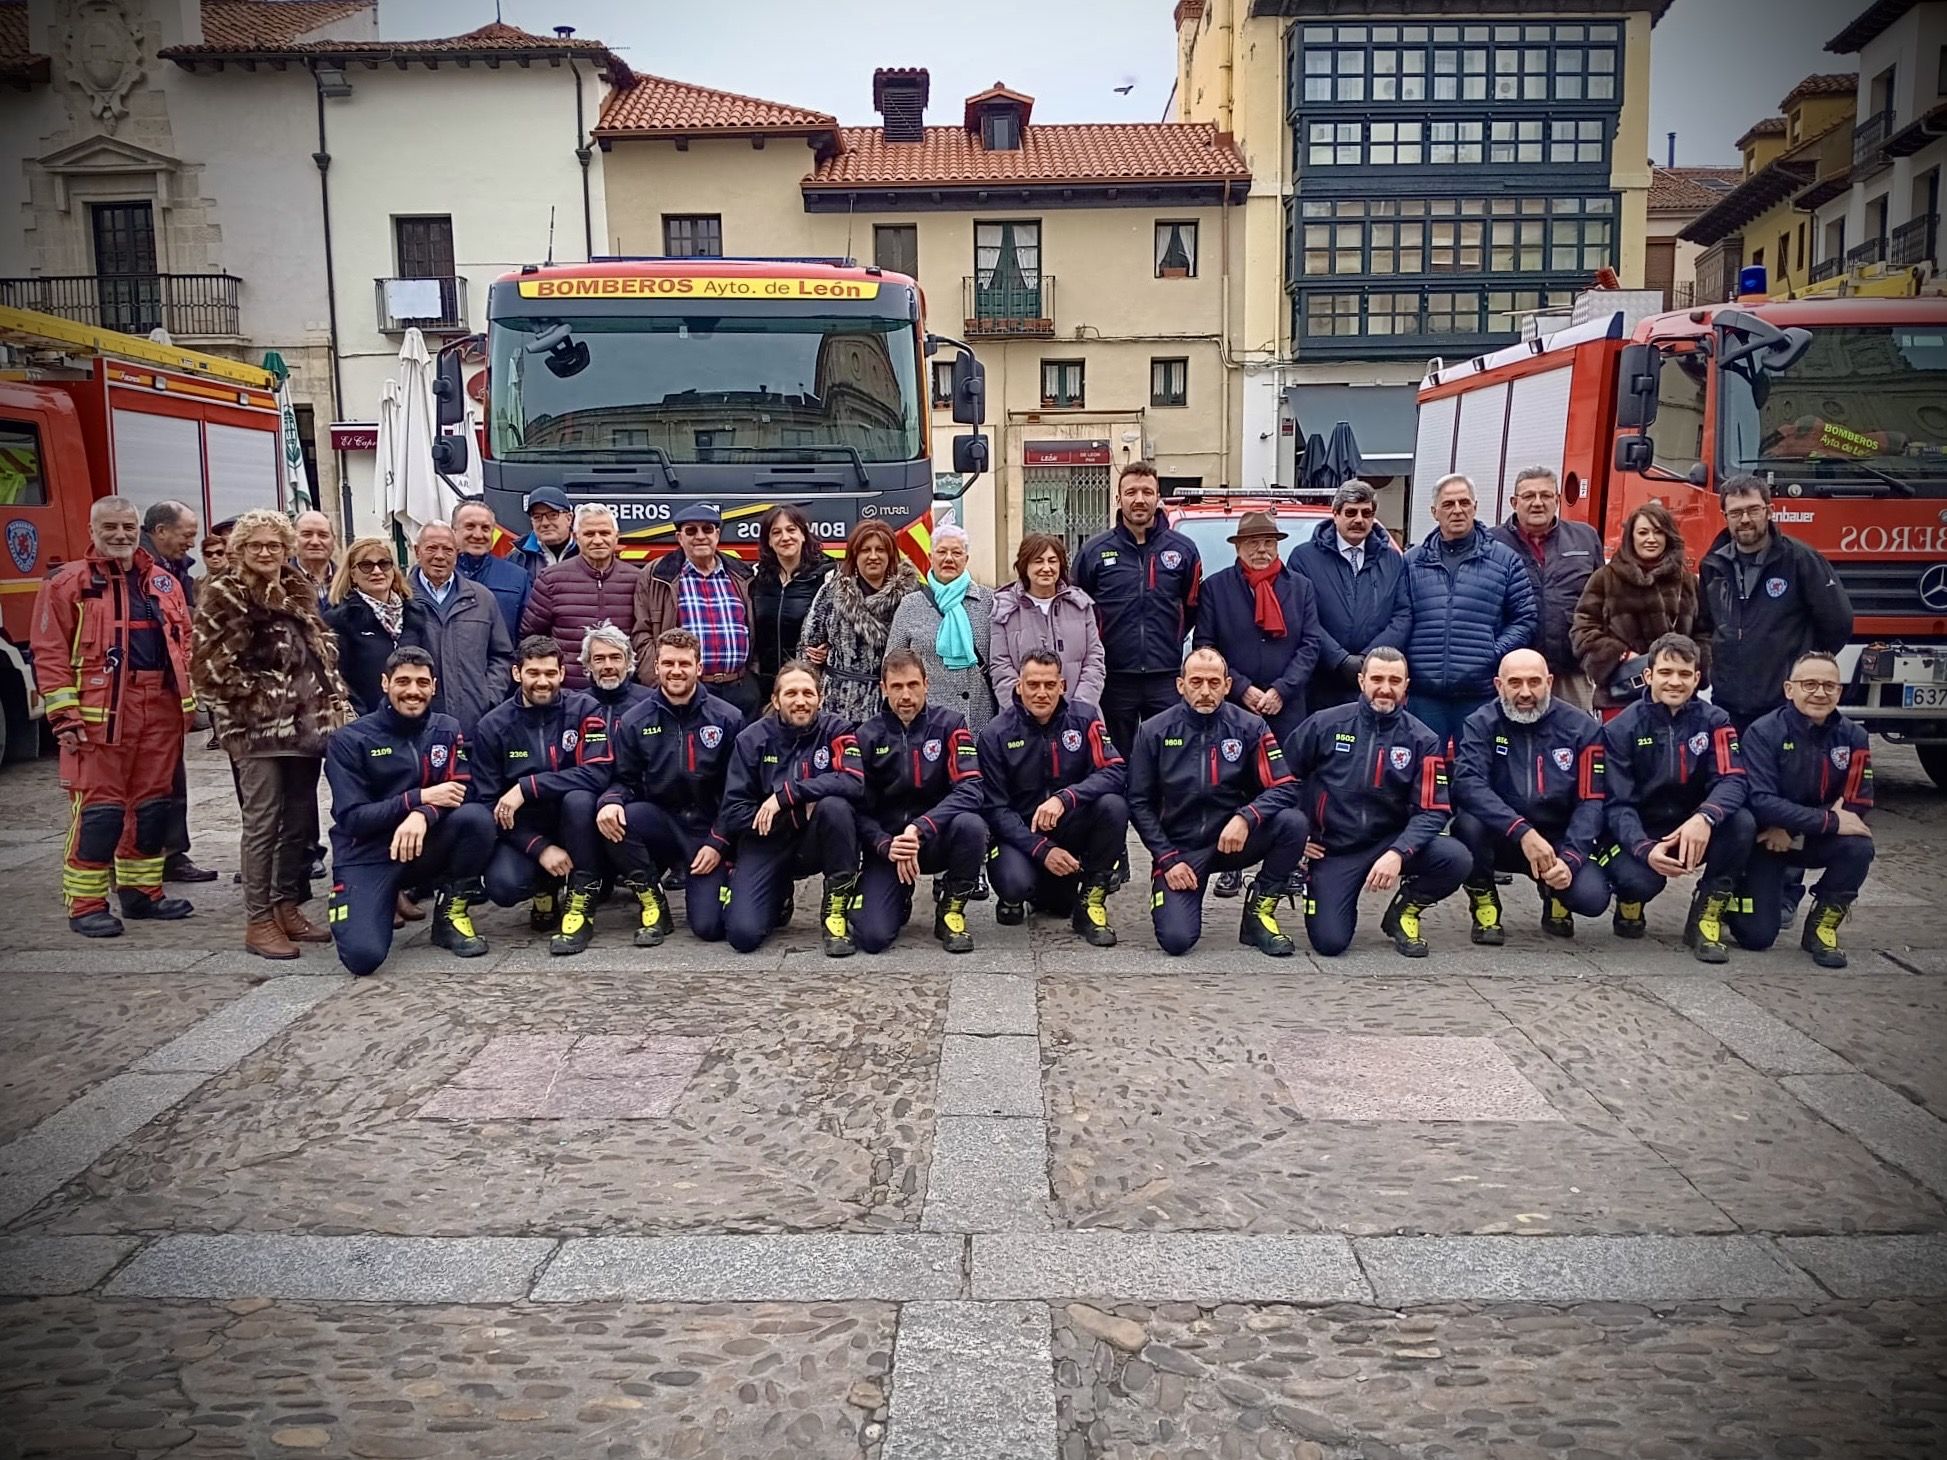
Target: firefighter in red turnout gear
[(111, 658)]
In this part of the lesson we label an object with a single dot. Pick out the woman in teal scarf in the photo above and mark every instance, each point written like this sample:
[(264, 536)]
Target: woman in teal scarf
[(947, 622)]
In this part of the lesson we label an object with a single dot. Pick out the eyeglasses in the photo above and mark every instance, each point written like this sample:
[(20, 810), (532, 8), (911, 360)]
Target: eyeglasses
[(1358, 514), (1745, 514), (1818, 686), (373, 565), (696, 529)]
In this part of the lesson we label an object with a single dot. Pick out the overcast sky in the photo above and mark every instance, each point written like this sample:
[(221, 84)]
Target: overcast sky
[(1718, 65)]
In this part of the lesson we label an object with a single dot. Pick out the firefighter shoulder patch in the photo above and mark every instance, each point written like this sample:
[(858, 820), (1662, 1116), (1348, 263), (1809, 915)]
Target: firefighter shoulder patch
[(1842, 757), (1232, 750), (711, 736), (437, 756), (1071, 739), (822, 758), (1172, 559), (570, 739), (1564, 758), (1400, 756), (1699, 743), (1776, 587), (931, 750), (161, 583)]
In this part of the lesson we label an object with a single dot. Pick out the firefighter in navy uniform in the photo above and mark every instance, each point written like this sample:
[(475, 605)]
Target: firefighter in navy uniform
[(672, 753), (401, 817), (539, 760), (1527, 793), (921, 812), (111, 644), (790, 809), (1209, 792), (1373, 781), (1811, 775), (608, 659), (1676, 806), (1054, 786)]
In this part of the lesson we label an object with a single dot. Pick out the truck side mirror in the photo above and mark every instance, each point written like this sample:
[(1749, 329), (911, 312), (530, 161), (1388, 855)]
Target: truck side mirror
[(450, 455), (1636, 387), (970, 455), (1635, 454), (449, 389), (969, 390)]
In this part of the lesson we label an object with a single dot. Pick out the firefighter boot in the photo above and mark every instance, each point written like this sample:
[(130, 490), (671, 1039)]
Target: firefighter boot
[(1485, 903), (1010, 914), (453, 918), (1628, 921), (1821, 935), (950, 918), (835, 916), (1259, 927), (577, 916), (101, 923), (1556, 919), (163, 909), (1228, 884), (1402, 925), (1090, 917), (1703, 930), (653, 927), (544, 911)]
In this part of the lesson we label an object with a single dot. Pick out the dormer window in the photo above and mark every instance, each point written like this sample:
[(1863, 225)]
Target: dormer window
[(999, 116), (1000, 129)]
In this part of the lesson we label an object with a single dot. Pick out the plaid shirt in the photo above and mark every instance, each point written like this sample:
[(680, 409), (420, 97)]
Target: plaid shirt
[(708, 607)]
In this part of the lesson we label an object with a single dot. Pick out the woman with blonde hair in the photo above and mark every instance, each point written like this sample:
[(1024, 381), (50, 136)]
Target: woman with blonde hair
[(372, 611), (267, 668)]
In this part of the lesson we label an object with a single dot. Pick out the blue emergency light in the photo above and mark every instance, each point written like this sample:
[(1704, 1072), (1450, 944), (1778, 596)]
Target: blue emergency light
[(1751, 279)]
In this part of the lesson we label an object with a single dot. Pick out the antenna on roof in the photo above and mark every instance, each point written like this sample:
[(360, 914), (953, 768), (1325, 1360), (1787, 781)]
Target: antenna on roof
[(497, 20), (550, 235)]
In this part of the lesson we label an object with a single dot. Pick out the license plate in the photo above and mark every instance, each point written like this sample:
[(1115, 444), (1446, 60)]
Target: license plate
[(1924, 696)]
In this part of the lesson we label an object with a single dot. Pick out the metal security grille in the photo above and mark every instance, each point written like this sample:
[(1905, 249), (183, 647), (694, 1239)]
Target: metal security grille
[(1071, 502)]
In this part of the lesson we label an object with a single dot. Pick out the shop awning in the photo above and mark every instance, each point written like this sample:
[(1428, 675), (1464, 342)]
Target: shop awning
[(1382, 418)]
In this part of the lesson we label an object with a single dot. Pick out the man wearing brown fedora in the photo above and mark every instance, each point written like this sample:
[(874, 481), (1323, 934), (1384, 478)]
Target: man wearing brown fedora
[(1263, 618)]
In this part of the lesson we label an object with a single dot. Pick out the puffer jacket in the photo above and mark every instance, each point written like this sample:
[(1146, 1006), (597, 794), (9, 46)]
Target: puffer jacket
[(1570, 553), (570, 598), (1469, 609), (266, 666), (1355, 612), (1628, 606), (1068, 630)]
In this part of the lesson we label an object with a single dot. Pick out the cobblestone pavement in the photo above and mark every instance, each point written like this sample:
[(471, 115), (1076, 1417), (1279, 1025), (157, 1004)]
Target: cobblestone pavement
[(1040, 1202)]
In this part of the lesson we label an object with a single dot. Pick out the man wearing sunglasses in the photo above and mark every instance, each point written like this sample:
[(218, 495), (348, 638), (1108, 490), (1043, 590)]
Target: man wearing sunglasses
[(1354, 571), (705, 592), (1811, 775)]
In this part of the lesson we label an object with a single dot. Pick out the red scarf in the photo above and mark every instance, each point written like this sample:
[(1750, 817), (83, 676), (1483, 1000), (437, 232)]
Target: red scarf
[(1270, 613)]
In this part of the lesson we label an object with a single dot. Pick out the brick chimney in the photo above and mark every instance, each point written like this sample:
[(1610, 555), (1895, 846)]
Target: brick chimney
[(899, 96)]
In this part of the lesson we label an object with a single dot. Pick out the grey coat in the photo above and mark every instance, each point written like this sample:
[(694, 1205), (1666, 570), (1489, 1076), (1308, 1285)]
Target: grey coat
[(916, 625), (1068, 630), (472, 652)]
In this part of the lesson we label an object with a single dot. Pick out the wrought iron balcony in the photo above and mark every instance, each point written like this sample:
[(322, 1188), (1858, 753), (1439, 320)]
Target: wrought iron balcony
[(1915, 242), (1683, 294), (1869, 142), (1024, 309), (1828, 268), (1872, 251), (187, 305), (431, 306)]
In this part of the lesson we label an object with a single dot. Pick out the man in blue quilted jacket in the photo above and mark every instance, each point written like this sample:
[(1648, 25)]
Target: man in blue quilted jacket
[(1473, 603)]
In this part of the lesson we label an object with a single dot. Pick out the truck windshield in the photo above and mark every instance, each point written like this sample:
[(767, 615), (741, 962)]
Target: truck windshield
[(704, 388), (1864, 413)]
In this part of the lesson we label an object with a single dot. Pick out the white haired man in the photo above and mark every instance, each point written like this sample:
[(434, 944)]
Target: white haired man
[(593, 586)]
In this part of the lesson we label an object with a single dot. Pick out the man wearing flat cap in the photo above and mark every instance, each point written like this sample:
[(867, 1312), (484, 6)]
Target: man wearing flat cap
[(1263, 618), (705, 592)]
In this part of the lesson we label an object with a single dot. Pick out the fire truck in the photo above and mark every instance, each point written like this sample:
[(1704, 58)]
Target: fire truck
[(87, 413), (644, 384), (1840, 404)]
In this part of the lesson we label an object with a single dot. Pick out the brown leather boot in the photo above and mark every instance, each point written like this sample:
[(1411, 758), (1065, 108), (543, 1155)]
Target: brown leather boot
[(297, 927), (265, 939), (405, 910)]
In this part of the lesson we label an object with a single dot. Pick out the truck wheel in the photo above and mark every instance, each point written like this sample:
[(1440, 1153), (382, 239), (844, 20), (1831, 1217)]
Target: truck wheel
[(1933, 760)]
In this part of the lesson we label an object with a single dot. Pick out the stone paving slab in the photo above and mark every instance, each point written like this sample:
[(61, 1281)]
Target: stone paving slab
[(1889, 1028), (1404, 1077), (988, 1175), (357, 1269), (135, 958), (39, 1163), (993, 1076), (1874, 1267), (36, 1266), (1887, 1124), (820, 1268), (991, 1003), (972, 1381), (1761, 1040), (1216, 1267), (242, 1028), (207, 1381), (1412, 1270)]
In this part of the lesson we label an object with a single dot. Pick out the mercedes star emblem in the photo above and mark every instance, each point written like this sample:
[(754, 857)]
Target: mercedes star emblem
[(1933, 588)]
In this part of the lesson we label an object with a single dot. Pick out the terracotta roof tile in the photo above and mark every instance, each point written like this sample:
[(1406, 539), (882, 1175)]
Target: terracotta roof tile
[(1088, 152), (658, 106), (1769, 127), (1690, 189), (272, 22), (1833, 83), (970, 117), (487, 40)]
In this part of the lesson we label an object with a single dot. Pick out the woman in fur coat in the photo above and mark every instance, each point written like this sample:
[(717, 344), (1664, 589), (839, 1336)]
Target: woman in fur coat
[(846, 627), (266, 667), (1642, 593)]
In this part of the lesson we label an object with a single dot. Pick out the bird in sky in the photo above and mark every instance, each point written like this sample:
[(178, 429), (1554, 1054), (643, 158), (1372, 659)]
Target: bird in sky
[(1125, 90)]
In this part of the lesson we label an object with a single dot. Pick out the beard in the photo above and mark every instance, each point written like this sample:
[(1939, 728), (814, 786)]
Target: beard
[(1526, 717)]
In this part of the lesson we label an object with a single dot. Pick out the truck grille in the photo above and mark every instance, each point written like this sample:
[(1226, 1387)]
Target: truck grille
[(1886, 590)]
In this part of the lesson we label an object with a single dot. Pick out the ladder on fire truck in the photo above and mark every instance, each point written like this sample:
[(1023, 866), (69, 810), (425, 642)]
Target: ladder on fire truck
[(35, 339)]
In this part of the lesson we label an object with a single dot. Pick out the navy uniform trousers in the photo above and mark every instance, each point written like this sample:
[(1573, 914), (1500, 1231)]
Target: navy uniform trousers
[(1094, 834), (1586, 895), (655, 843), (1759, 911), (364, 895), (885, 903), (767, 866), (568, 822), (1278, 843), (1724, 862), (1333, 884)]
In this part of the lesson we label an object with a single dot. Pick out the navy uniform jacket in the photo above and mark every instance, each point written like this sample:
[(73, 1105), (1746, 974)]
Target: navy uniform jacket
[(615, 703), (550, 750), (799, 767), (1227, 621), (1145, 594), (916, 775), (1794, 602), (676, 757), (1798, 769), (1023, 763), (1664, 768), (1366, 778), (1190, 773), (377, 768), (1545, 777)]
